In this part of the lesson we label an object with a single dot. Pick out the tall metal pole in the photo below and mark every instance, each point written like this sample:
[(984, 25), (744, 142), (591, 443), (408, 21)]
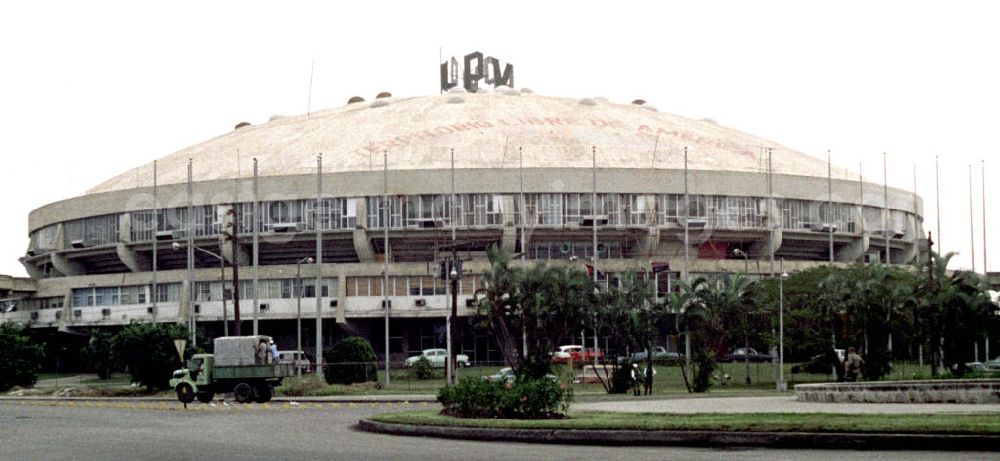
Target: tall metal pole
[(189, 236), (781, 326), (861, 200), (829, 201), (234, 238), (448, 321), (156, 228), (687, 212), (593, 210), (319, 265), (770, 208), (524, 244), (222, 293), (937, 195), (298, 313), (385, 255), (885, 219), (972, 231), (256, 249), (985, 267)]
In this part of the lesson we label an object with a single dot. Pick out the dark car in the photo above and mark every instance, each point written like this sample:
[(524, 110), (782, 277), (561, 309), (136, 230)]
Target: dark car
[(745, 354)]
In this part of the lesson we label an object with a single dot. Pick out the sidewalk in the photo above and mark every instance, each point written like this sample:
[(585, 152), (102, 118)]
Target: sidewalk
[(394, 398)]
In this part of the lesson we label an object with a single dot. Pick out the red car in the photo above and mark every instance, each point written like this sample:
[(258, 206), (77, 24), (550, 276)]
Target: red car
[(578, 354)]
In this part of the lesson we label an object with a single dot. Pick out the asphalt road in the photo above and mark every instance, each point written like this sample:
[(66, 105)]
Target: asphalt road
[(103, 431)]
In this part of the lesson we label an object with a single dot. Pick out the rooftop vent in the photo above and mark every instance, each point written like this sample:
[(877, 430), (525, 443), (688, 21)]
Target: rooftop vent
[(508, 91), (379, 103), (649, 107), (241, 125), (456, 100), (708, 120), (457, 89), (587, 102), (638, 102), (383, 95), (355, 99), (275, 117), (527, 90)]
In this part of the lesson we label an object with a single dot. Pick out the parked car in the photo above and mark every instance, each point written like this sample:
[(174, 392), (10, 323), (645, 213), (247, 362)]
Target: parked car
[(659, 354), (579, 354), (746, 354), (506, 375), (993, 365), (438, 358), (296, 358)]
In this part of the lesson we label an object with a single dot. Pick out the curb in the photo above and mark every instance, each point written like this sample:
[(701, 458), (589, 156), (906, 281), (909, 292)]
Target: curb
[(331, 399), (715, 439)]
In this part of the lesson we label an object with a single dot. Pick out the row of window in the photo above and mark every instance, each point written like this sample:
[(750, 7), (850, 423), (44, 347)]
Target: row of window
[(471, 210)]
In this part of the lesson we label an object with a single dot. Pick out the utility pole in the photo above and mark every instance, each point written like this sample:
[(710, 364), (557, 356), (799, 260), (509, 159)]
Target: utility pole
[(385, 256), (232, 237), (256, 249)]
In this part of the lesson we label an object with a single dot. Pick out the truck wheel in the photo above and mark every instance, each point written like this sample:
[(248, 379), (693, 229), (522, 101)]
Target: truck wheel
[(264, 393), (185, 393), (205, 397), (243, 393)]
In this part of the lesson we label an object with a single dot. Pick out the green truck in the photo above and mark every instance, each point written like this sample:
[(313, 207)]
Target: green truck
[(241, 365)]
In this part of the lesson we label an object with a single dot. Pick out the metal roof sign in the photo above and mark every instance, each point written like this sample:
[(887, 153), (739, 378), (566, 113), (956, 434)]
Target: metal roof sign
[(476, 68)]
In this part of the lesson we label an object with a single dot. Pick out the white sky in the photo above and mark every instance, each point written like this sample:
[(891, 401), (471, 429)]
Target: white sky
[(91, 89)]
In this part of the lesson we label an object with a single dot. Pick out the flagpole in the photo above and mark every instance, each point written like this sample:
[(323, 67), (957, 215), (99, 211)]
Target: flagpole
[(156, 228), (829, 204), (972, 232)]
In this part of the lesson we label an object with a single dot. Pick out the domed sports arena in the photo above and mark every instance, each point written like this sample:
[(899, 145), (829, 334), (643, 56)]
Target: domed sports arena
[(383, 188)]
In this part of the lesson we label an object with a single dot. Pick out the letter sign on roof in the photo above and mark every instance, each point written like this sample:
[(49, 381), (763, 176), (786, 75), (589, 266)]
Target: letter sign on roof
[(476, 68)]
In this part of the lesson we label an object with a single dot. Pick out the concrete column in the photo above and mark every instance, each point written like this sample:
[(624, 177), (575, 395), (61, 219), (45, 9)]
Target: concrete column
[(33, 271), (184, 311), (66, 267), (341, 297), (362, 244), (773, 222), (508, 240), (648, 243)]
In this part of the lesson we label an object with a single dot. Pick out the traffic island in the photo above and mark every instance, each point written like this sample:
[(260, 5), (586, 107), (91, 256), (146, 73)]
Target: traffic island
[(980, 432)]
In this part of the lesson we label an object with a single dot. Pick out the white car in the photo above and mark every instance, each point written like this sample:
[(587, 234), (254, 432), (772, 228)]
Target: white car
[(296, 358), (438, 358)]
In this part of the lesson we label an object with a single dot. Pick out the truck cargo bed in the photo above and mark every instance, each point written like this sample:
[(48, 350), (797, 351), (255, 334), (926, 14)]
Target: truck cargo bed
[(278, 370)]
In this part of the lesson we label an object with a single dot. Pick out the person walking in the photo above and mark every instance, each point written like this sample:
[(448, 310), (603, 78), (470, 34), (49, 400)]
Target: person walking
[(852, 365), (647, 375), (636, 377)]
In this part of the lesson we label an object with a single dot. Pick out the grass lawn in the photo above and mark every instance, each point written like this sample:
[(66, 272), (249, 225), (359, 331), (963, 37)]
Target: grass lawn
[(983, 424)]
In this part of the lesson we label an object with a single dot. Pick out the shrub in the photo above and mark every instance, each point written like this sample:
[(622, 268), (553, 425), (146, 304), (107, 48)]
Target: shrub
[(20, 359), (422, 370), (352, 360), (621, 380), (99, 354), (148, 351), (298, 387), (523, 399)]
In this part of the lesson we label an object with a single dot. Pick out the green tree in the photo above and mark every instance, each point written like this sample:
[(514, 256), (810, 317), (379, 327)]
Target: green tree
[(544, 302), (21, 358), (148, 351), (351, 360), (952, 311), (704, 305), (629, 315), (100, 355)]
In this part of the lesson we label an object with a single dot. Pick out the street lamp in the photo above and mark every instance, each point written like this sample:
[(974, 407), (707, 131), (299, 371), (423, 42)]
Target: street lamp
[(222, 278), (781, 386), (298, 314), (746, 322)]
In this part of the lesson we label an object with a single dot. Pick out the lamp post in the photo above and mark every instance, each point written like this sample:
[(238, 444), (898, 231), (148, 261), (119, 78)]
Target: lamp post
[(222, 274), (298, 313), (781, 386), (746, 322)]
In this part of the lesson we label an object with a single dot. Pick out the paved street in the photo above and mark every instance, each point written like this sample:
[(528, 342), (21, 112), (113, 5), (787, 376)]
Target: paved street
[(779, 404), (160, 430)]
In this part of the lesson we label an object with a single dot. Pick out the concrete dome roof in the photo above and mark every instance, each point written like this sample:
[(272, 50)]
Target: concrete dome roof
[(485, 130)]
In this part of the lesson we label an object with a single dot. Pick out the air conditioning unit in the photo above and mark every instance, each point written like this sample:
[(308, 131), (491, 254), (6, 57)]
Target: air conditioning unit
[(872, 257), (79, 243), (197, 308), (696, 223), (164, 235), (383, 304), (34, 316), (264, 307), (284, 227), (594, 220), (898, 233), (333, 303), (150, 310), (421, 302), (58, 315), (31, 253), (823, 227), (79, 312), (106, 312), (470, 302), (426, 223)]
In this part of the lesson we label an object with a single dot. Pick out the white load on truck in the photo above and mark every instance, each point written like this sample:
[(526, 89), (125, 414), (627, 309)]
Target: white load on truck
[(238, 351)]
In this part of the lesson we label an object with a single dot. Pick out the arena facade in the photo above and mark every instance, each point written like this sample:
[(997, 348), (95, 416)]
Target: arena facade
[(402, 178)]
